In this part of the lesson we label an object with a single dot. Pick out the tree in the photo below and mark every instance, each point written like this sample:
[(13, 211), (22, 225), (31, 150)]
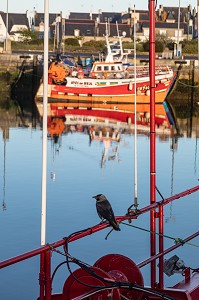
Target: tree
[(27, 35)]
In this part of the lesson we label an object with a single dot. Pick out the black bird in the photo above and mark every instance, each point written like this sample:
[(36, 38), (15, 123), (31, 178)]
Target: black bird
[(105, 210)]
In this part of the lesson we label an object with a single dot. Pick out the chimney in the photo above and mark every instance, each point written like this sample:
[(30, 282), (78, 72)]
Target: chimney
[(99, 15)]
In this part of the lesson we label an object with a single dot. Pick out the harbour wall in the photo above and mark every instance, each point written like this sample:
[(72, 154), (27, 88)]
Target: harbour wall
[(15, 62)]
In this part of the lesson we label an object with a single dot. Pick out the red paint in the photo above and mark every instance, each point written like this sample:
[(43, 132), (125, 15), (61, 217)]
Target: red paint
[(123, 269), (152, 137), (74, 290), (119, 89)]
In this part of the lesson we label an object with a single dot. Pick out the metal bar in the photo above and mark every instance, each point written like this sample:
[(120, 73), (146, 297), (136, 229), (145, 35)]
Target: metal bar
[(198, 31), (44, 138), (161, 246), (94, 229), (135, 121), (48, 275), (6, 44), (166, 251), (152, 137), (177, 50), (42, 276)]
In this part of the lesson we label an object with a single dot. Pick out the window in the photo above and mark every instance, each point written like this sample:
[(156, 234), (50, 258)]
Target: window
[(163, 32), (99, 68), (146, 32), (106, 68), (176, 33), (88, 32)]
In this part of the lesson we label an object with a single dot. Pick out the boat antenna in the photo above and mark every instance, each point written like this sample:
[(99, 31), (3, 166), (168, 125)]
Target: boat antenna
[(135, 122), (44, 138)]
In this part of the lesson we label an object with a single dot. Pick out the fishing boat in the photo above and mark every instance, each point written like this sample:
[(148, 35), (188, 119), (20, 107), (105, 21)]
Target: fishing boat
[(115, 276), (111, 83)]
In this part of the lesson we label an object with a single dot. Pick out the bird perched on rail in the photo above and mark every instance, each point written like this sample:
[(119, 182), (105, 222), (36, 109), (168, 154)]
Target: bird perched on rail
[(105, 210)]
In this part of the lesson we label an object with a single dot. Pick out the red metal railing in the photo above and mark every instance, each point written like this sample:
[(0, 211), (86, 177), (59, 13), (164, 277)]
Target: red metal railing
[(45, 251)]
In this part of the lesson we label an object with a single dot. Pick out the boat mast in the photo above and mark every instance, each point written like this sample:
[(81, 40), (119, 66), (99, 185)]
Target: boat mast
[(152, 137), (44, 139), (109, 57), (120, 42)]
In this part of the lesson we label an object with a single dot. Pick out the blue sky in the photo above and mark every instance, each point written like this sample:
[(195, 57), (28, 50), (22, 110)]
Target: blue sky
[(65, 6)]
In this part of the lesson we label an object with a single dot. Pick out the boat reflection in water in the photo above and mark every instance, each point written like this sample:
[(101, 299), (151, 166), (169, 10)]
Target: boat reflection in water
[(103, 135), (107, 126)]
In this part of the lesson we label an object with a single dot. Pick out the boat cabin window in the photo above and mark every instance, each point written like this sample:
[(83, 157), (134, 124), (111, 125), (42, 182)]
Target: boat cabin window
[(99, 68), (112, 68), (106, 68)]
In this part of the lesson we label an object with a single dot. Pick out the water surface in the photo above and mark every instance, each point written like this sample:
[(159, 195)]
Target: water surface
[(78, 168)]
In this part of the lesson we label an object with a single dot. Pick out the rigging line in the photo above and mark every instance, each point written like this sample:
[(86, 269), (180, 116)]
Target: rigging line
[(177, 240), (131, 287), (159, 193), (82, 152), (28, 75), (188, 85)]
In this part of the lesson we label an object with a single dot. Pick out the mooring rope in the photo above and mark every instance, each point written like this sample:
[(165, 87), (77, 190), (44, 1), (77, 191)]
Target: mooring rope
[(188, 85), (176, 240)]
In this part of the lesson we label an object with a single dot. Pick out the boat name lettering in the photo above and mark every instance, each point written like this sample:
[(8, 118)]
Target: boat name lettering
[(143, 88), (81, 82)]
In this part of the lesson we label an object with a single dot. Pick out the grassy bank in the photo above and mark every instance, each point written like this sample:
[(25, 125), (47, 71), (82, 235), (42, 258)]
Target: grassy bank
[(6, 81)]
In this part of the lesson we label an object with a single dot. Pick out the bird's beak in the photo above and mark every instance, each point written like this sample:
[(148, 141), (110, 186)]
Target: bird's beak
[(94, 197)]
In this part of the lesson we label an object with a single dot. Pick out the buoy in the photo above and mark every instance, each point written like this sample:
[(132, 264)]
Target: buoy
[(129, 121), (148, 92), (130, 85)]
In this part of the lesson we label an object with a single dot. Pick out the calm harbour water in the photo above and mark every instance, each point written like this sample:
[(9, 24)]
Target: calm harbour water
[(79, 168)]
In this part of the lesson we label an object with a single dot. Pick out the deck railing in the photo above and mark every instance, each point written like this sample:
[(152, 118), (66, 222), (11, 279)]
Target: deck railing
[(45, 279)]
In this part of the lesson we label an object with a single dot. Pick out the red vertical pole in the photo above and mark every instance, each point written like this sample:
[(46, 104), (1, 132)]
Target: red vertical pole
[(152, 136), (48, 275), (161, 246), (42, 276)]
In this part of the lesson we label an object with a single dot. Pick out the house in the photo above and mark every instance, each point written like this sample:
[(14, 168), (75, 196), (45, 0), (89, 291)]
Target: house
[(90, 25), (167, 24), (36, 21), (16, 22)]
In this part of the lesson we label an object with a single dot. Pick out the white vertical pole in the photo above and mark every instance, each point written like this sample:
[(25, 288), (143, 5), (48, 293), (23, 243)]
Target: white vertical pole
[(198, 31), (44, 141), (6, 49), (135, 121), (178, 28)]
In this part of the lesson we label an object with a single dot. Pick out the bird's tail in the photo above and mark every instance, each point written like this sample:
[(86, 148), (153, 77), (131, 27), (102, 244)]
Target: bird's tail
[(115, 225)]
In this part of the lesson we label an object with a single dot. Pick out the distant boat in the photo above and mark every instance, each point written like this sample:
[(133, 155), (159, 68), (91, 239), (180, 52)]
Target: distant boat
[(110, 83)]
